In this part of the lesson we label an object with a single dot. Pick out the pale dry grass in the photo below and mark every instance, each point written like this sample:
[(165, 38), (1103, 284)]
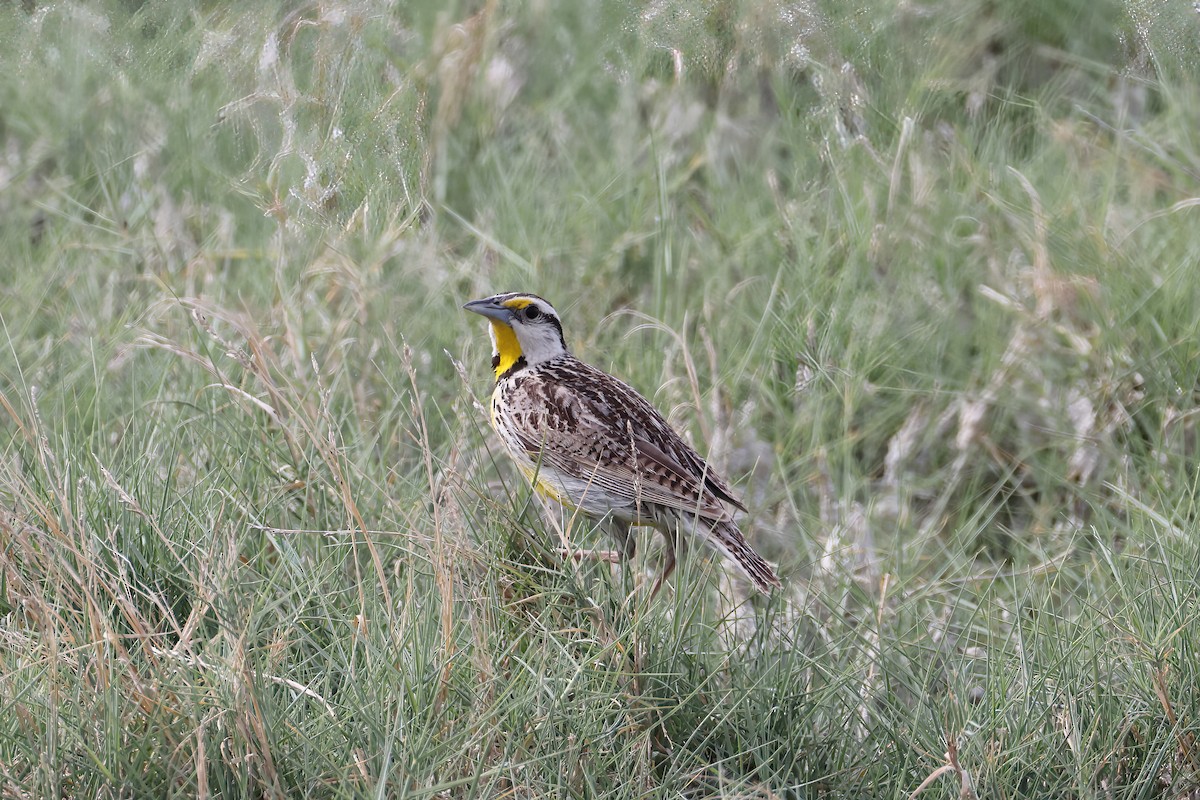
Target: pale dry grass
[(919, 282)]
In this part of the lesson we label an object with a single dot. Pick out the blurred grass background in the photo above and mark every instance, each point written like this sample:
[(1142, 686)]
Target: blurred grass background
[(921, 278)]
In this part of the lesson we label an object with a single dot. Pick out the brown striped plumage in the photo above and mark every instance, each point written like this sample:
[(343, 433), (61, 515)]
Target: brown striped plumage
[(593, 443)]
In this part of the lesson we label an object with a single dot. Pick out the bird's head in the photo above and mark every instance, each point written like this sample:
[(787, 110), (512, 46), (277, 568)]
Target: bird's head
[(525, 330)]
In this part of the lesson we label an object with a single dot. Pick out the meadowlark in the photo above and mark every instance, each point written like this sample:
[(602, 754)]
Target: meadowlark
[(593, 443)]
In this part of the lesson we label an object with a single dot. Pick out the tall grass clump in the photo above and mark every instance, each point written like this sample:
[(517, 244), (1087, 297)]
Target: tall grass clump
[(918, 279)]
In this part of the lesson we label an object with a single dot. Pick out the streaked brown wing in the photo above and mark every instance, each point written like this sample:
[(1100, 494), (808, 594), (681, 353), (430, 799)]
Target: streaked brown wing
[(650, 426), (592, 439)]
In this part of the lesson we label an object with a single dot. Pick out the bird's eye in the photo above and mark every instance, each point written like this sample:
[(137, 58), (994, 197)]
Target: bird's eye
[(532, 312)]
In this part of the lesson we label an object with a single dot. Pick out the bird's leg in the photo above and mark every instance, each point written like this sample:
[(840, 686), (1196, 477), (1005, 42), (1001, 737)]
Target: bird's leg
[(611, 556), (668, 564), (623, 533), (626, 545)]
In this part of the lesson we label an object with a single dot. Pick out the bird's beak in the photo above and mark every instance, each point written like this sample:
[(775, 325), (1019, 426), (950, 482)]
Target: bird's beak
[(491, 309)]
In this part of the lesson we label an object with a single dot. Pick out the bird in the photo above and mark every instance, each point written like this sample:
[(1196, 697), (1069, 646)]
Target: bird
[(593, 443)]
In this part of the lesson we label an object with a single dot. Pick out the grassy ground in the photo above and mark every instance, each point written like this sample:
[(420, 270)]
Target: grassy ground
[(920, 278)]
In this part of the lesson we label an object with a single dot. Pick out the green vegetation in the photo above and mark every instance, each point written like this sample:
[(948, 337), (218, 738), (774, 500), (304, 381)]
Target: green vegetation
[(921, 278)]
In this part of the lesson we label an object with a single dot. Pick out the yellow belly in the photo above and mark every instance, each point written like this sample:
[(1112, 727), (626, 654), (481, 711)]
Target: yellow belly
[(531, 473), (544, 487)]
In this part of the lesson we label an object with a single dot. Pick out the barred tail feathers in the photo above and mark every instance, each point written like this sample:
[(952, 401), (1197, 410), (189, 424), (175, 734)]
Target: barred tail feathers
[(725, 538)]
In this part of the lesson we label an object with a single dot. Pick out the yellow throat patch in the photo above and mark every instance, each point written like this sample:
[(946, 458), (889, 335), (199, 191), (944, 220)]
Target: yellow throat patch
[(508, 349)]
